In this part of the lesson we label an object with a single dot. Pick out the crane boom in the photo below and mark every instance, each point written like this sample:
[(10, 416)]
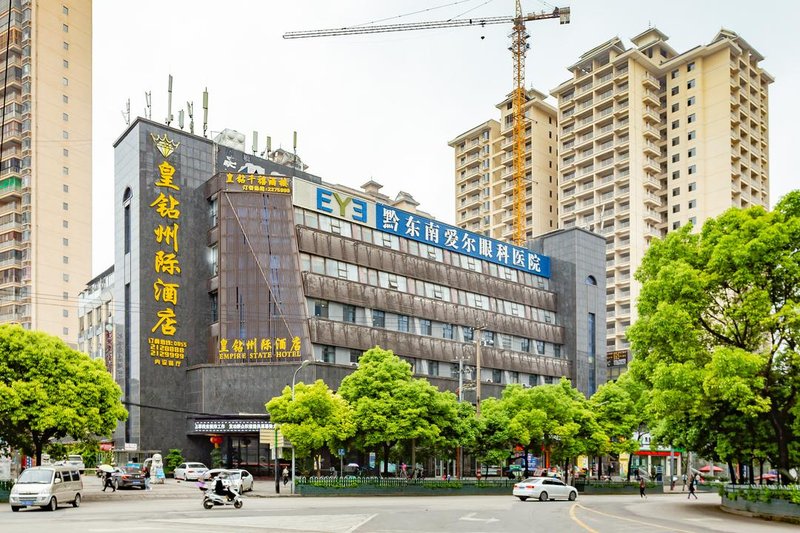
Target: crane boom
[(519, 47)]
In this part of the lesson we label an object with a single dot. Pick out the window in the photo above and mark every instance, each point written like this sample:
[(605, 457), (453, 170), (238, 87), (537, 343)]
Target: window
[(676, 208), (402, 323), (65, 134), (64, 313), (65, 206), (676, 158), (676, 191), (676, 174), (692, 169), (64, 81), (65, 28), (540, 347), (690, 101), (378, 319), (65, 188), (548, 380), (447, 331), (328, 354), (66, 45), (557, 350), (65, 331), (497, 375), (66, 64), (321, 308), (675, 124), (693, 221), (676, 141), (690, 66), (65, 152), (65, 260), (433, 368), (65, 98), (692, 135), (349, 314), (65, 10), (675, 90), (692, 186), (65, 241), (674, 73), (675, 107), (354, 355), (526, 345), (691, 118), (692, 204), (65, 223), (676, 225), (65, 171), (425, 327), (533, 380), (692, 152), (65, 277), (469, 334), (690, 84)]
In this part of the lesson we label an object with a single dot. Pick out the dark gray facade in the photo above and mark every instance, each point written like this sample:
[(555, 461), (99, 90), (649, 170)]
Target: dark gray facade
[(266, 280)]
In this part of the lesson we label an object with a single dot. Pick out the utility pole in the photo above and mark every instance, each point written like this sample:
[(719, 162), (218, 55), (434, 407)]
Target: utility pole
[(478, 334)]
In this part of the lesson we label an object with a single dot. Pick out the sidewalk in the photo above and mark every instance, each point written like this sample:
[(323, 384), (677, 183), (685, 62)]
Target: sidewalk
[(172, 489)]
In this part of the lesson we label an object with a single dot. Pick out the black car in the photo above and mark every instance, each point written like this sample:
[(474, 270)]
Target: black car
[(127, 477)]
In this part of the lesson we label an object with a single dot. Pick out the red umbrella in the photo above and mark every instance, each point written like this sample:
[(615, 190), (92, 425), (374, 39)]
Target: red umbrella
[(708, 468)]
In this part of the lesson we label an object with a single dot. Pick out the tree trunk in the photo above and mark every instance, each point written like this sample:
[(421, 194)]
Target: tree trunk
[(741, 471), (386, 448), (413, 455), (731, 471), (599, 467), (750, 473)]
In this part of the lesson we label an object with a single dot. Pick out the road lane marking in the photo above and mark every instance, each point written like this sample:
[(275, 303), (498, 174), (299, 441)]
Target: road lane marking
[(361, 524), (578, 521), (471, 518), (618, 517)]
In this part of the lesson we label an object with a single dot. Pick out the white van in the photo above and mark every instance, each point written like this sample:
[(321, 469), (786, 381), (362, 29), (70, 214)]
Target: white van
[(46, 487)]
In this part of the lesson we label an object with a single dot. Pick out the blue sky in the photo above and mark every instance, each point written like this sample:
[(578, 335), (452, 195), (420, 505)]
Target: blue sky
[(383, 106)]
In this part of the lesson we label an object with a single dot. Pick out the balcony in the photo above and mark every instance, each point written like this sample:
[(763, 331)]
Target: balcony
[(648, 80)]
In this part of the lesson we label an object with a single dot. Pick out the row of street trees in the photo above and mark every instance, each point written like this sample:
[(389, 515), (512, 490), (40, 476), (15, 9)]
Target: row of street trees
[(381, 408)]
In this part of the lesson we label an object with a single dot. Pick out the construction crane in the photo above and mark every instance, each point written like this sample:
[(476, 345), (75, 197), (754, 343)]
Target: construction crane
[(519, 47)]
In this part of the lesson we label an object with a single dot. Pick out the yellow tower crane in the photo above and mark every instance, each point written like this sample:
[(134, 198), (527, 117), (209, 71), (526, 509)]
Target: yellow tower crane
[(519, 47)]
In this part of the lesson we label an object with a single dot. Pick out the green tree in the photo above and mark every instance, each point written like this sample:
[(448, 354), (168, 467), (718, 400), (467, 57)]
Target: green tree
[(316, 418), (716, 341), (391, 407), (172, 460), (615, 410), (49, 391)]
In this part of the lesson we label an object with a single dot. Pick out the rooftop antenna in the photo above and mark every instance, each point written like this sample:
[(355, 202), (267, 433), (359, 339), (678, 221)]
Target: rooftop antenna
[(190, 111), (268, 148), (294, 149), (205, 111), (169, 100), (255, 142), (180, 118), (126, 115), (148, 107)]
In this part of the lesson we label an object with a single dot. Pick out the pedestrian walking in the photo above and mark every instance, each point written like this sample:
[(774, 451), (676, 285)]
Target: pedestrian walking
[(684, 482), (107, 482), (691, 490), (642, 488), (146, 472), (285, 474)]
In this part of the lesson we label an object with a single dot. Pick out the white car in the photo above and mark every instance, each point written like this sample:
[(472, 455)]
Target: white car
[(187, 471), (544, 488), (240, 480)]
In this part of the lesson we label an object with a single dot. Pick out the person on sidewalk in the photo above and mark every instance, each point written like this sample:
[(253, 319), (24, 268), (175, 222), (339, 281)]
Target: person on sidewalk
[(146, 472), (642, 488), (107, 482), (684, 482), (691, 490)]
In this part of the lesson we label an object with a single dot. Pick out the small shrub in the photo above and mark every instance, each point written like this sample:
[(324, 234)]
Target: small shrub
[(172, 460)]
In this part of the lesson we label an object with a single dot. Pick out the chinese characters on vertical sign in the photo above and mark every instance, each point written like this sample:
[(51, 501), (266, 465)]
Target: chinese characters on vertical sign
[(165, 350)]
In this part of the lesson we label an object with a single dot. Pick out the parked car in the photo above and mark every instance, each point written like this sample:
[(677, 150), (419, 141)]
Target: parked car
[(544, 488), (46, 487), (187, 471), (127, 477), (240, 480)]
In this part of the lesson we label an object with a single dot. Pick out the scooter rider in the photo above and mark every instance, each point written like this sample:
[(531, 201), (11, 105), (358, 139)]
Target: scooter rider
[(223, 490)]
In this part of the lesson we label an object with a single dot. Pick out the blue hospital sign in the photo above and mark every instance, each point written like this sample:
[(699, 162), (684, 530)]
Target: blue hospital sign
[(457, 240)]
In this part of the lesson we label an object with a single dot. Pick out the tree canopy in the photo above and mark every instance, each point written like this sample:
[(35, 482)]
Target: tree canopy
[(49, 391), (716, 341)]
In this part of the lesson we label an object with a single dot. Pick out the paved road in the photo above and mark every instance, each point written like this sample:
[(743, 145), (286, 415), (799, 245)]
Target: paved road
[(176, 508)]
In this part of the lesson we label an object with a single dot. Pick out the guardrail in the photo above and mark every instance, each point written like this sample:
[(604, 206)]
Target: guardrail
[(773, 502)]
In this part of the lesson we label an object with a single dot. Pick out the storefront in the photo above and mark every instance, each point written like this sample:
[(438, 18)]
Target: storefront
[(237, 438)]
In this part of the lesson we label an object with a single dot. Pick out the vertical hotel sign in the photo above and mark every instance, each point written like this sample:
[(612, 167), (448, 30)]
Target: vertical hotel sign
[(165, 349)]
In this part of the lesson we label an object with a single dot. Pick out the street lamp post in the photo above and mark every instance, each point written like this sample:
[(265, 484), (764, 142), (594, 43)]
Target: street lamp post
[(294, 376)]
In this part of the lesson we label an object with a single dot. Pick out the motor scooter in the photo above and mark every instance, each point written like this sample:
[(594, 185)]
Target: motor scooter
[(211, 498)]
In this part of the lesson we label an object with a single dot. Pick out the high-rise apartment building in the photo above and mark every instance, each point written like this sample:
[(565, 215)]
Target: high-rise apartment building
[(651, 139), (45, 163), (484, 163)]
